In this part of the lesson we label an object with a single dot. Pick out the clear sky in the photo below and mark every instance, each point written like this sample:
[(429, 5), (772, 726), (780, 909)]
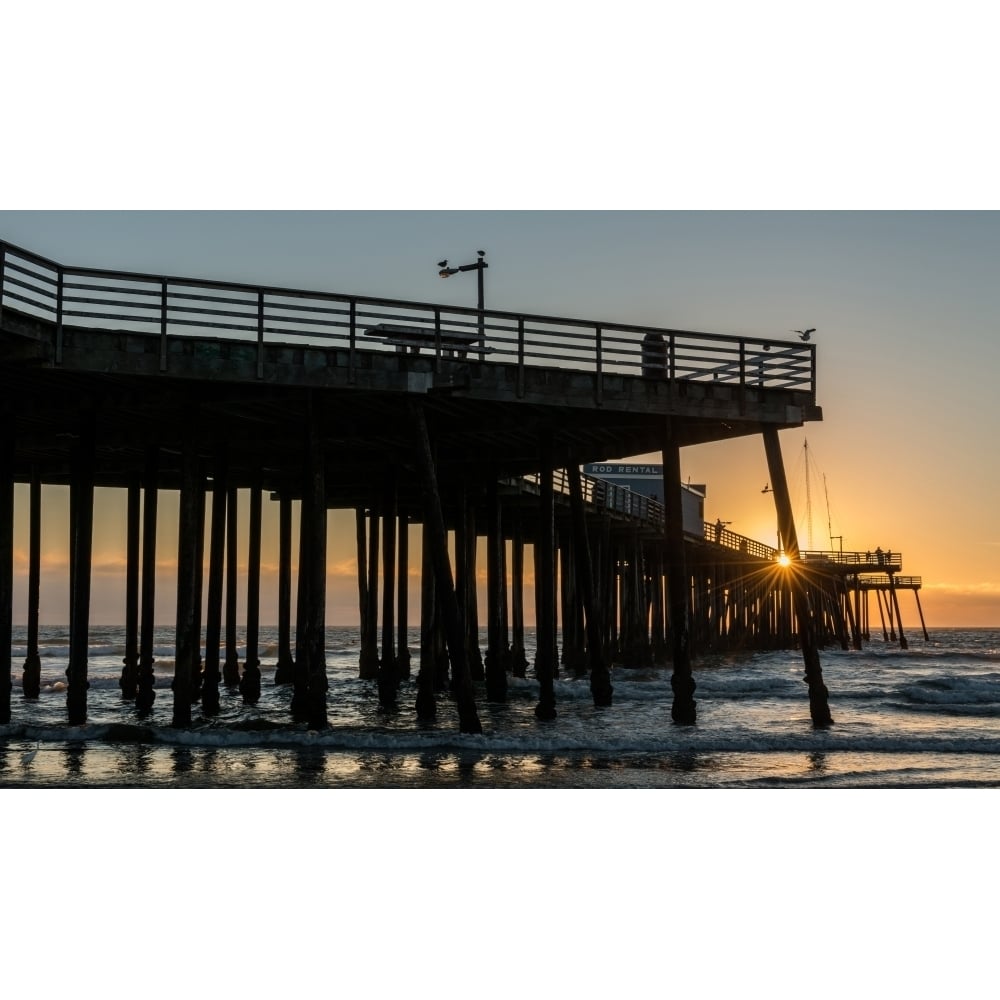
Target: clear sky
[(905, 305)]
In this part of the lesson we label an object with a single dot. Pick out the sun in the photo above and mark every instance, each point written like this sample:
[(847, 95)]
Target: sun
[(784, 560)]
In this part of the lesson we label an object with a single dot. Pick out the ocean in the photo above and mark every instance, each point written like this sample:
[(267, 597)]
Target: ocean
[(924, 717), (626, 856)]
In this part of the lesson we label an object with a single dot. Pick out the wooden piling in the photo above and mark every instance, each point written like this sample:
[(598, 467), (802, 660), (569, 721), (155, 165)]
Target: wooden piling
[(284, 669), (81, 543), (31, 678), (682, 683), (402, 597), (387, 680), (819, 708), (496, 670), (454, 630), (545, 584), (197, 676), (315, 487), (185, 637), (600, 676), (903, 644), (369, 660), (129, 680), (6, 558), (519, 662), (426, 675), (231, 667), (145, 692), (216, 572), (250, 681)]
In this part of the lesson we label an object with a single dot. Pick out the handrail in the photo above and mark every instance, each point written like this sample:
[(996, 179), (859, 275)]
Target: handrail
[(172, 306)]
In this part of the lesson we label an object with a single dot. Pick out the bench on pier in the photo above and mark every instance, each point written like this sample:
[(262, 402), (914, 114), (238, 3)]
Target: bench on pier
[(453, 342)]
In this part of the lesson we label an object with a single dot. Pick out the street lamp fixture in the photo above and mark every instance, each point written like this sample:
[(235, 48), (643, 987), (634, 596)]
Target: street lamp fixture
[(479, 266)]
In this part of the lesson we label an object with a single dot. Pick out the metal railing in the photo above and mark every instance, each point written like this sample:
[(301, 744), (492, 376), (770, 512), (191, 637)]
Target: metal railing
[(884, 581), (174, 307), (871, 561)]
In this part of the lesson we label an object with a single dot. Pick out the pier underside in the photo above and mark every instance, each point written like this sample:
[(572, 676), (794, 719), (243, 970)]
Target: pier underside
[(486, 420)]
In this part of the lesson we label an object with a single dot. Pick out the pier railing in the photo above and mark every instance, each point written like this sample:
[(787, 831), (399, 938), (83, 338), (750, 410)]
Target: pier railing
[(604, 495), (170, 307)]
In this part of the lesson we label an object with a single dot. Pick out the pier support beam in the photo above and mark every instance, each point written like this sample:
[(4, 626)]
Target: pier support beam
[(31, 679), (186, 639), (903, 644), (368, 593), (387, 680), (464, 692), (250, 681), (496, 653), (284, 669), (545, 582), (314, 503), (81, 550), (145, 693), (403, 598), (231, 668), (216, 571), (426, 675), (682, 683), (519, 662), (129, 681), (6, 559), (819, 707), (600, 676)]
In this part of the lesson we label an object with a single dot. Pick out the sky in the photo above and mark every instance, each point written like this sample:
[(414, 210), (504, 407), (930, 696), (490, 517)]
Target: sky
[(904, 304)]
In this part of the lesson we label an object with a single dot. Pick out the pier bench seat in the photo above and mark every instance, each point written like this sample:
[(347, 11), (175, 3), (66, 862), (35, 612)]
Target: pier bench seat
[(453, 342)]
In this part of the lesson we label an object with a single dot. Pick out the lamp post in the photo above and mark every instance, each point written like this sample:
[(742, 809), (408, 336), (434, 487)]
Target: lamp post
[(479, 266)]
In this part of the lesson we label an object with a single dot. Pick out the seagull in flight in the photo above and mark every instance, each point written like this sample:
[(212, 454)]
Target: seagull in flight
[(29, 756), (804, 334)]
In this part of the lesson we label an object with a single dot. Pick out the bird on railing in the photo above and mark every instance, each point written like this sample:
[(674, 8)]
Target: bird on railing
[(767, 488), (805, 334)]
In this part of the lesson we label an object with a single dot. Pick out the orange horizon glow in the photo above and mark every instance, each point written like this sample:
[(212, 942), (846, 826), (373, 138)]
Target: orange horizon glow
[(945, 603)]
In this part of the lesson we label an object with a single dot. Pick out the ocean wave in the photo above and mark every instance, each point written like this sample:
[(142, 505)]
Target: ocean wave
[(519, 745)]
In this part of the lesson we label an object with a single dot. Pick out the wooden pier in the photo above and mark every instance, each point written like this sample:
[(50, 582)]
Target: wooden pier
[(470, 423)]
